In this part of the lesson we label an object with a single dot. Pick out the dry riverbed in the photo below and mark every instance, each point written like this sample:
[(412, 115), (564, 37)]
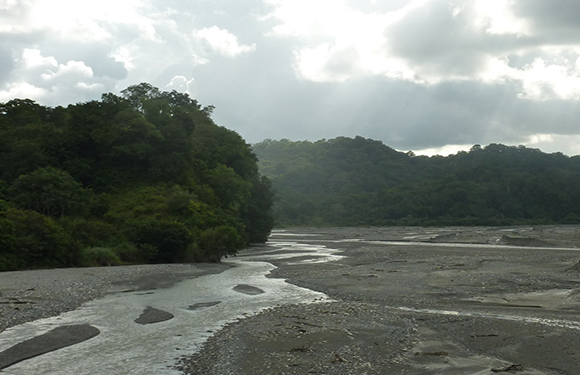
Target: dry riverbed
[(402, 301), (415, 301)]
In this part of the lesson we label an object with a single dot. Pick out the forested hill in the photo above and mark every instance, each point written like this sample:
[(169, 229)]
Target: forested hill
[(350, 182), (145, 177)]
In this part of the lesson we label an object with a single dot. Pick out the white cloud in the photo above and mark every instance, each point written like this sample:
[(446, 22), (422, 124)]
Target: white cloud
[(443, 151), (89, 21), (426, 42), (548, 80), (222, 41), (31, 58), (555, 143), (44, 79), (417, 74), (181, 84), (72, 71), (497, 17), (22, 90)]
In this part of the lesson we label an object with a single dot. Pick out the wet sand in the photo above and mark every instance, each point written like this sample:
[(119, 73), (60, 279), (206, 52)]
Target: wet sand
[(415, 301)]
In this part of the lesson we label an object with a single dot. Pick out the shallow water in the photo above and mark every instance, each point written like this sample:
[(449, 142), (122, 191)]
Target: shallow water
[(560, 323), (125, 347)]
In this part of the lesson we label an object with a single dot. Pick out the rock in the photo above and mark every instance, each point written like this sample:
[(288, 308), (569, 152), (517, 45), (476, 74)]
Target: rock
[(202, 305), (152, 315), (248, 289), (50, 341)]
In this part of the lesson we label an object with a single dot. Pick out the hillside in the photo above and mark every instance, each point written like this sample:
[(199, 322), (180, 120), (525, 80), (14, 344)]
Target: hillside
[(355, 182), (145, 177)]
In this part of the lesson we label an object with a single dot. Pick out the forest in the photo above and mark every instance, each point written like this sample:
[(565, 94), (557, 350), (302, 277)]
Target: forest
[(362, 182), (141, 177)]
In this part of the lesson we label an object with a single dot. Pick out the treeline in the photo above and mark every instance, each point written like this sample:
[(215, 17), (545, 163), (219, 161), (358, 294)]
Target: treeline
[(145, 177), (355, 182)]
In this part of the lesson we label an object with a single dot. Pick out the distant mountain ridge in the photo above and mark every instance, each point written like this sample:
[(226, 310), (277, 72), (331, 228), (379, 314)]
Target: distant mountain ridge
[(359, 181)]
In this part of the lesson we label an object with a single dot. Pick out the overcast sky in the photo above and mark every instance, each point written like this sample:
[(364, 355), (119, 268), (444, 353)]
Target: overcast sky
[(432, 76)]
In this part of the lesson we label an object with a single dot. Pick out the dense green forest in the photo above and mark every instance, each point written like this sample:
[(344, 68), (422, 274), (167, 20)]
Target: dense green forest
[(144, 177), (354, 182)]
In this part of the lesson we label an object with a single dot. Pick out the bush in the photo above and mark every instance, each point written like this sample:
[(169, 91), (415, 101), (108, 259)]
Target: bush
[(90, 233), (164, 241), (129, 253), (219, 241), (40, 242), (51, 192), (9, 262), (99, 256)]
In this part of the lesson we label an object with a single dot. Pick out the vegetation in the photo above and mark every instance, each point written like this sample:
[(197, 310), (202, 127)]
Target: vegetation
[(355, 182), (142, 177)]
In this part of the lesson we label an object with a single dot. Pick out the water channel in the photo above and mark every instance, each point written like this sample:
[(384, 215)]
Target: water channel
[(200, 306)]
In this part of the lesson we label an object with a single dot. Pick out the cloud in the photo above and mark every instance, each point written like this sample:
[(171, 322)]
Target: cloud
[(416, 74), (222, 41), (45, 79), (6, 64), (433, 41), (557, 20)]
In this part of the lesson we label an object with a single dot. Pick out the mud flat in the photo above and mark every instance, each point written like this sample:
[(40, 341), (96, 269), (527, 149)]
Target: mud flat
[(413, 301)]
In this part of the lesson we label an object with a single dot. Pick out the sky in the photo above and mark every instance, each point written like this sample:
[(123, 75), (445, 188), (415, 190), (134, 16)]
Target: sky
[(431, 76)]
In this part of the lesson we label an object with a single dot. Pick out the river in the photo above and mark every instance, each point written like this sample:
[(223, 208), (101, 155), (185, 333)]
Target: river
[(200, 307)]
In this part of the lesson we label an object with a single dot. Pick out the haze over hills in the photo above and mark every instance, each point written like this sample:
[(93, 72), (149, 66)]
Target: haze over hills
[(358, 181)]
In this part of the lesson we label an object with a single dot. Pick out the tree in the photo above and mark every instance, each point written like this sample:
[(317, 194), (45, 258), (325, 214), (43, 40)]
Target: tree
[(51, 192), (39, 241)]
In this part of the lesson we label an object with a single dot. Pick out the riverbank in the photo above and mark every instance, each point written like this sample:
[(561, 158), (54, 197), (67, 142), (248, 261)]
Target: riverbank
[(405, 303)]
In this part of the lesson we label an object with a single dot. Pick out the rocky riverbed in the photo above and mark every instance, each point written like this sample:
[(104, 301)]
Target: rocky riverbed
[(402, 301), (415, 301)]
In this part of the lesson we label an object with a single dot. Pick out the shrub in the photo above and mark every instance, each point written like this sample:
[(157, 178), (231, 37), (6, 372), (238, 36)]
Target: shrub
[(90, 233), (170, 239), (99, 256), (51, 192), (40, 242), (220, 241), (9, 262)]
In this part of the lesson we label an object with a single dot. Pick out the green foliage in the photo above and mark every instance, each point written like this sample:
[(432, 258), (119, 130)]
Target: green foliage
[(39, 241), (350, 182), (8, 245), (143, 174), (91, 232), (51, 192), (220, 241), (162, 241), (257, 215), (98, 257)]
